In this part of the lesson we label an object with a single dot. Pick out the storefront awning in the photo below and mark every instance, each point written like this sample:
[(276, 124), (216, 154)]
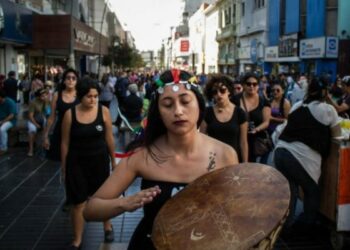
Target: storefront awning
[(62, 32)]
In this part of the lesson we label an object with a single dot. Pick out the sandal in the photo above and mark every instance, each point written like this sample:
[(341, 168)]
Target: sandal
[(109, 235)]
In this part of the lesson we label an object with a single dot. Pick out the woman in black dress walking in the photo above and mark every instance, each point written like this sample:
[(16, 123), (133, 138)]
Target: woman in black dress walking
[(87, 149), (63, 99)]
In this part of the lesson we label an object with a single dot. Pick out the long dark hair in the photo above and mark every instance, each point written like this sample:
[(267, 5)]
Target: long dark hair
[(281, 104), (315, 90), (155, 126)]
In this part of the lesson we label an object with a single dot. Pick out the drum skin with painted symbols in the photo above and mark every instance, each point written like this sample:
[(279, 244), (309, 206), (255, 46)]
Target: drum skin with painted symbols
[(238, 207)]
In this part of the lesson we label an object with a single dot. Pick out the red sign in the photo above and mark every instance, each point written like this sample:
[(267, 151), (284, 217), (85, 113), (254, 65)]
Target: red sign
[(184, 46)]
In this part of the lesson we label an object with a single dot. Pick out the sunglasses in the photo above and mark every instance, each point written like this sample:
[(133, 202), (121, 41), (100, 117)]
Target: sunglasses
[(221, 90), (237, 88), (71, 78), (276, 90), (249, 84)]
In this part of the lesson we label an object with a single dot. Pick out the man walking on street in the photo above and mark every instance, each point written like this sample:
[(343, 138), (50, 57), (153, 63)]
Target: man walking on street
[(7, 119)]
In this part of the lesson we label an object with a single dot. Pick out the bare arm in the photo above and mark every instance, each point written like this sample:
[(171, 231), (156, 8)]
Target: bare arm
[(50, 121), (336, 131), (243, 141), (339, 108), (107, 203), (7, 118), (109, 135), (66, 126), (32, 120), (266, 120)]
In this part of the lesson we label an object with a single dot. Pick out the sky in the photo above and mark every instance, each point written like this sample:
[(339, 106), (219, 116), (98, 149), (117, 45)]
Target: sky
[(148, 20)]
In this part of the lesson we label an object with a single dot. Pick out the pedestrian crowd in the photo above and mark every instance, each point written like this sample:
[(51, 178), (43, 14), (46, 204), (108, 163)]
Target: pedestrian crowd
[(180, 127)]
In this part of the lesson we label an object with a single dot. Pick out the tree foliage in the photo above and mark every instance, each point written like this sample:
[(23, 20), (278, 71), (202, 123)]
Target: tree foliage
[(125, 57)]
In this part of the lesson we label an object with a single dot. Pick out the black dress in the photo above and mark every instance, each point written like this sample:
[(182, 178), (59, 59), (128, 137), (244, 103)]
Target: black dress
[(255, 119), (87, 162), (227, 132), (54, 152), (141, 239)]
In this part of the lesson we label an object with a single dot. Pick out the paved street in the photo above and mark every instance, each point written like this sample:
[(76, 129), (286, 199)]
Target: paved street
[(31, 198)]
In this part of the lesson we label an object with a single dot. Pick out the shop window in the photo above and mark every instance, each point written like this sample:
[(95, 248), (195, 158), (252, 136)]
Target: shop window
[(258, 4), (234, 11)]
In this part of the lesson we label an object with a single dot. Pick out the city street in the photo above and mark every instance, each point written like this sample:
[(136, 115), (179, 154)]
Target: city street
[(31, 216)]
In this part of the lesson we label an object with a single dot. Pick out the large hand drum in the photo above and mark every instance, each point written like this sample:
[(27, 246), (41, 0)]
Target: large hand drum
[(238, 207)]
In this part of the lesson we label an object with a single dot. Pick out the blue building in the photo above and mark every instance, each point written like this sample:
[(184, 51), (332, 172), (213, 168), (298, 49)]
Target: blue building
[(303, 37)]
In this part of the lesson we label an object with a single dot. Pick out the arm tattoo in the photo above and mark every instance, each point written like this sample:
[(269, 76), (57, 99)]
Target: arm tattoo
[(212, 164)]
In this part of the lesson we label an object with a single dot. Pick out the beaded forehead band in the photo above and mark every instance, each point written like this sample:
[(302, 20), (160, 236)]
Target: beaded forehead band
[(175, 83)]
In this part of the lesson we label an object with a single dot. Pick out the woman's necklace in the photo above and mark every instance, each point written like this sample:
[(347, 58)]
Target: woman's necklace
[(221, 109)]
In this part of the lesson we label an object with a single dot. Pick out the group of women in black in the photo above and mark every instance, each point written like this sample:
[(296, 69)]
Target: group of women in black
[(172, 151), (82, 141)]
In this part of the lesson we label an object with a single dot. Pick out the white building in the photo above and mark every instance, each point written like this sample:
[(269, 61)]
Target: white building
[(253, 35), (196, 25), (211, 46)]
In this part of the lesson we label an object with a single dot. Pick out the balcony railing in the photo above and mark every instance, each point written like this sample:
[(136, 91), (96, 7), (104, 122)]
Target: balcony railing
[(226, 32)]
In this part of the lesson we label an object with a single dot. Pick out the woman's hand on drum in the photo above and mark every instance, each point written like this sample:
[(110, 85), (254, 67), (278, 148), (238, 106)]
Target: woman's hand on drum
[(133, 202)]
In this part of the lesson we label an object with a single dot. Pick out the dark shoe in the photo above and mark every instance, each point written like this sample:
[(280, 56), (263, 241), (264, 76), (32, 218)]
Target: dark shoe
[(66, 207), (73, 247), (109, 235)]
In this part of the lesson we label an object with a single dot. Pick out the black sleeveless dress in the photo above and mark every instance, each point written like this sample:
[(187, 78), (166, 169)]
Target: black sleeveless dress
[(87, 163), (227, 132), (54, 152), (141, 239)]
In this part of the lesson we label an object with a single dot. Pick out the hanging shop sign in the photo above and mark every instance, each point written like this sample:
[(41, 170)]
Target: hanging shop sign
[(184, 46), (254, 50), (321, 47), (332, 45), (271, 54), (288, 46), (244, 53)]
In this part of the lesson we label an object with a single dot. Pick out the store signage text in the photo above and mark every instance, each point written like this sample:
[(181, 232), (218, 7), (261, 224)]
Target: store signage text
[(271, 54), (321, 47), (84, 38)]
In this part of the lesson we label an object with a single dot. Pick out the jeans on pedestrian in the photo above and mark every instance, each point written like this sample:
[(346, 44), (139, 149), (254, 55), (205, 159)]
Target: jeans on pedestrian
[(3, 135), (296, 175)]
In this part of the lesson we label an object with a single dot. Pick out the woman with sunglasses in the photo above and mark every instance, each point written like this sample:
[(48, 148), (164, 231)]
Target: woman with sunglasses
[(171, 154), (225, 121), (62, 100), (258, 113), (280, 106)]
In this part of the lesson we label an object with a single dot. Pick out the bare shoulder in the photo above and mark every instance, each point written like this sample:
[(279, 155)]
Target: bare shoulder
[(136, 161), (226, 155)]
